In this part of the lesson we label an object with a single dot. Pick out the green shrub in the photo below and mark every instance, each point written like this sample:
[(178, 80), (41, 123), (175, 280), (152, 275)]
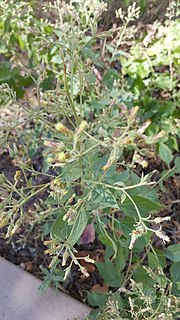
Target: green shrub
[(93, 136)]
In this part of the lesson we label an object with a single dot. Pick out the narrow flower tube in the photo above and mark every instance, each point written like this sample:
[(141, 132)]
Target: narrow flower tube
[(63, 129), (133, 114)]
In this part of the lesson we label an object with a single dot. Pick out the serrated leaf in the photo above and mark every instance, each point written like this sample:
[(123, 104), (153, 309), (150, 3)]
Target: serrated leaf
[(173, 252), (165, 153)]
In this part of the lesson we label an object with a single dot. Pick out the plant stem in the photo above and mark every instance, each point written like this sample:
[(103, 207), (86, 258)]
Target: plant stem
[(68, 94)]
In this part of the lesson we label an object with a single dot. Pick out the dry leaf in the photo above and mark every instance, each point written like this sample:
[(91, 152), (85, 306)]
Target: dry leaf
[(88, 234), (90, 267), (98, 288), (28, 266)]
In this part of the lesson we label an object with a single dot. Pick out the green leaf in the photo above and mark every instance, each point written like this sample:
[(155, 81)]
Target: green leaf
[(173, 252), (177, 164), (126, 226), (148, 193), (153, 261), (97, 299), (98, 165), (161, 186), (165, 153), (105, 238), (102, 198), (123, 198), (71, 172), (141, 275), (176, 290), (110, 274), (78, 227), (107, 241), (168, 173), (101, 104), (140, 243), (60, 228), (109, 76), (122, 176), (94, 312), (51, 201), (7, 24), (144, 205), (120, 261), (47, 227), (175, 271), (161, 257), (57, 59)]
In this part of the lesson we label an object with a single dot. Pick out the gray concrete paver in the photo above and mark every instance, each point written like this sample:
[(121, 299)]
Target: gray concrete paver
[(21, 300)]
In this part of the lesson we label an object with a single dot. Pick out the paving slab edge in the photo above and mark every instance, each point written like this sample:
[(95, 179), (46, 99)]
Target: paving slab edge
[(21, 300)]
